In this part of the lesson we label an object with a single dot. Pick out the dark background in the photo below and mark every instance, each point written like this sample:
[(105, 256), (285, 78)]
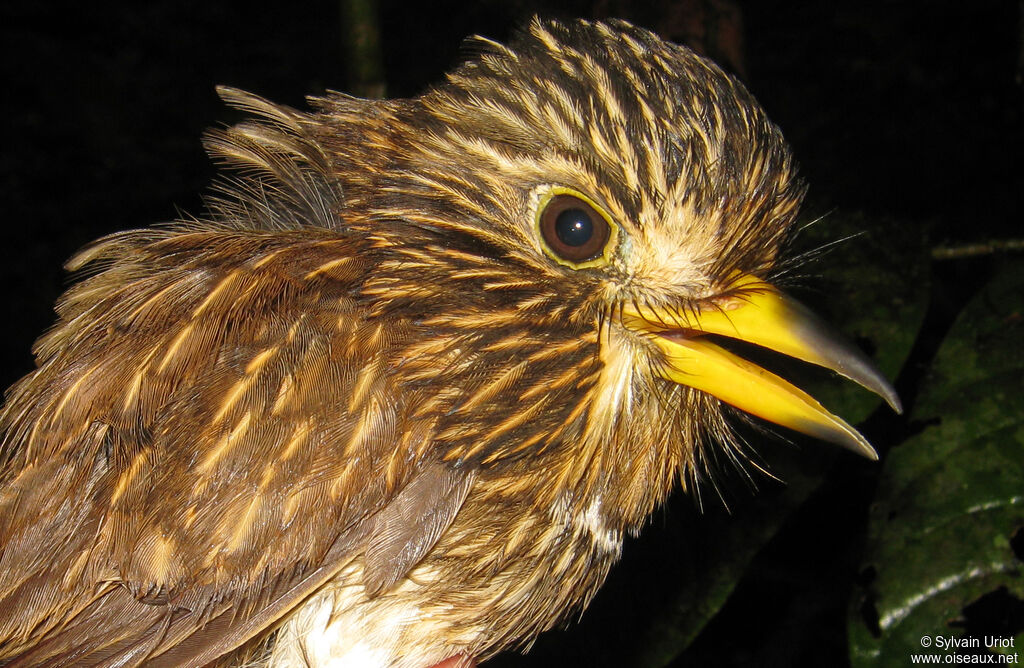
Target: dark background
[(909, 113)]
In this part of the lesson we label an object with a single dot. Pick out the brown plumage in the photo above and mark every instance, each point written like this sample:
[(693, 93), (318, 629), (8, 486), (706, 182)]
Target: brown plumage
[(385, 403)]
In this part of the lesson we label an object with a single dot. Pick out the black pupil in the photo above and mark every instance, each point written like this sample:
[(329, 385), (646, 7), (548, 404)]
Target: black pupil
[(574, 227)]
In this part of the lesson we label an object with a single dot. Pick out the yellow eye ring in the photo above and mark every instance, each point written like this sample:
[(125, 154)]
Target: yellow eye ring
[(574, 230)]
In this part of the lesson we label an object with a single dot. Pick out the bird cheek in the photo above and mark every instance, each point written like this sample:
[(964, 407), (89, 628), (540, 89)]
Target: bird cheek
[(662, 267)]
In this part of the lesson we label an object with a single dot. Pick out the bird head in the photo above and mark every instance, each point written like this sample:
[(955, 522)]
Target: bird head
[(566, 221)]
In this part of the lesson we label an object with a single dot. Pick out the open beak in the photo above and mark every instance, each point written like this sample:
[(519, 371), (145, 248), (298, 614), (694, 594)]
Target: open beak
[(759, 314)]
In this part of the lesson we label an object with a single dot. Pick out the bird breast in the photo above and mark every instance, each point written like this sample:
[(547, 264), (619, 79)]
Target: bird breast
[(474, 597)]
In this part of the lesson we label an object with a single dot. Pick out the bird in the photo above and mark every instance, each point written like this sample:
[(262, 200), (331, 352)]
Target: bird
[(398, 395)]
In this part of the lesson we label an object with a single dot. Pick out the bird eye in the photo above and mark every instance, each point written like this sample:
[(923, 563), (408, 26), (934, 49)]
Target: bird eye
[(573, 231)]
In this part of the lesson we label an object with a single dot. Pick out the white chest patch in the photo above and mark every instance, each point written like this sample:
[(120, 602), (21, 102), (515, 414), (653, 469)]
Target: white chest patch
[(590, 522), (341, 627), (607, 540)]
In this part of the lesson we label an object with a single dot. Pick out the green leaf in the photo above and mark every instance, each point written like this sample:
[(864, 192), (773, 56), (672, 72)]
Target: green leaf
[(952, 496)]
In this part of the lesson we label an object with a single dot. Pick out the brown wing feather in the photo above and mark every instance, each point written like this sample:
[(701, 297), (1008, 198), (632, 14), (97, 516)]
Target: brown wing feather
[(410, 525), (213, 426), (209, 431)]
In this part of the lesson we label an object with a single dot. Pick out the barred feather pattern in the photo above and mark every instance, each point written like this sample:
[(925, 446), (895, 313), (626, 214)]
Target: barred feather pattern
[(359, 391)]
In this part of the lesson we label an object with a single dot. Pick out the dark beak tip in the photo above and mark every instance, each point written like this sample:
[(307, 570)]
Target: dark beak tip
[(892, 399), (864, 449)]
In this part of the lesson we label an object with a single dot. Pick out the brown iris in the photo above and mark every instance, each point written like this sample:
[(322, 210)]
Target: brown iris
[(572, 229)]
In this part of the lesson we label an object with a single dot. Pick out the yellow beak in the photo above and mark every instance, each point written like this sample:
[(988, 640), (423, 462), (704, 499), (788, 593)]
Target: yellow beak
[(762, 315)]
